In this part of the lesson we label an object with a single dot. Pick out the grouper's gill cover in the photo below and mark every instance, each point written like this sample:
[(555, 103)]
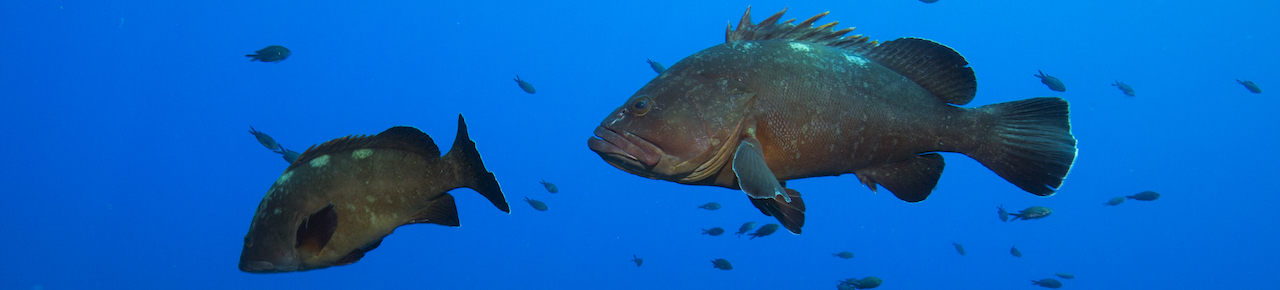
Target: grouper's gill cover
[(339, 199), (781, 101)]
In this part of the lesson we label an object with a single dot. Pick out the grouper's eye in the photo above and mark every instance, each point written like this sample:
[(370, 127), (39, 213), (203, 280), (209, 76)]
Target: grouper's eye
[(641, 106)]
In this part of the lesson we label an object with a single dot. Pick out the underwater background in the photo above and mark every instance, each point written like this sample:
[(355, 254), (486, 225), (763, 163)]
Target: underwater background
[(127, 165)]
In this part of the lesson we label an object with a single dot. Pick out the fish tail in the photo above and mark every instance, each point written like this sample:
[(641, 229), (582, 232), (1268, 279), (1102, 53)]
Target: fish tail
[(1029, 144), (470, 168)]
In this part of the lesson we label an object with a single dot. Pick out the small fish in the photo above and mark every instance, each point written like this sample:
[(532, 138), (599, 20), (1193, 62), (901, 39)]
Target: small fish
[(657, 67), (1128, 91), (745, 227), (1115, 201), (289, 155), (526, 86), (864, 283), (1004, 215), (765, 230), (721, 264), (844, 255), (716, 231), (710, 206), (536, 204), (1015, 252), (959, 248), (1065, 275), (266, 141), (274, 53), (928, 1), (1253, 88), (551, 187), (1047, 283), (1052, 82), (1035, 212), (638, 260), (1145, 196)]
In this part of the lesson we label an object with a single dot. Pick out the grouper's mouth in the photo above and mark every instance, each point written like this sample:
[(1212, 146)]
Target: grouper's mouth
[(625, 151)]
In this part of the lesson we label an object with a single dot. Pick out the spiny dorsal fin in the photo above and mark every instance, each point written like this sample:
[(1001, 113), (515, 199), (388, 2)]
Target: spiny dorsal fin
[(936, 67), (399, 138)]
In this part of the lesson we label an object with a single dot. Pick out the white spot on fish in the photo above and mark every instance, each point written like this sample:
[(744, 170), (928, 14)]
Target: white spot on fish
[(277, 211), (284, 177), (320, 161), (370, 198), (799, 46), (858, 60), (362, 153)]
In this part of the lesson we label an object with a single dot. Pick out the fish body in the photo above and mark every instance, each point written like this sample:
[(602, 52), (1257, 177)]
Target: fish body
[(928, 1), (716, 231), (551, 187), (1145, 196), (844, 255), (745, 227), (1065, 275), (1128, 91), (1047, 283), (1035, 212), (536, 204), (638, 260), (1004, 215), (778, 102), (265, 140), (1115, 201), (1253, 88), (1054, 83), (274, 53), (289, 155), (1014, 251), (526, 86), (341, 198), (710, 206), (864, 283), (721, 264), (959, 248), (766, 230), (657, 67)]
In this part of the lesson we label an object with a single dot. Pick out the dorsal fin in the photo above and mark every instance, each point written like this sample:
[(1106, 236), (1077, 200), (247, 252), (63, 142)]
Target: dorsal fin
[(936, 67), (400, 138)]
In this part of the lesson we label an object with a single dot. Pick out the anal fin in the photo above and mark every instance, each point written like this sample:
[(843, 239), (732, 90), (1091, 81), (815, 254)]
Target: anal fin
[(754, 176), (910, 180), (442, 211), (789, 214)]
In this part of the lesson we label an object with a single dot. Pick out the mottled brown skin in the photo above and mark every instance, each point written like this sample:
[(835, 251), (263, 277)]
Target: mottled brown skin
[(372, 195)]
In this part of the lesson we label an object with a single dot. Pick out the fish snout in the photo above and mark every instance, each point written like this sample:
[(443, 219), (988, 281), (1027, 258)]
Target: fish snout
[(263, 260), (624, 150)]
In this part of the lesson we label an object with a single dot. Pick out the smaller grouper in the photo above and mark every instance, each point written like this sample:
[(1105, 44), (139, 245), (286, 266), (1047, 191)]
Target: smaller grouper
[(341, 198)]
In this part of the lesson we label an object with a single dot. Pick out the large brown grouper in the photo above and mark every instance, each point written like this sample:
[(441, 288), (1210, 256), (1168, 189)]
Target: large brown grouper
[(779, 101), (339, 199)]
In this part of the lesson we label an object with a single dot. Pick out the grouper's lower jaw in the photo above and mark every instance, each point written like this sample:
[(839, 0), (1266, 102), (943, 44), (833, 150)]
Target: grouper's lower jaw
[(261, 267), (625, 151)]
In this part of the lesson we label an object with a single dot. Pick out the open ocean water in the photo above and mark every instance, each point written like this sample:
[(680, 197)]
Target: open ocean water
[(127, 164)]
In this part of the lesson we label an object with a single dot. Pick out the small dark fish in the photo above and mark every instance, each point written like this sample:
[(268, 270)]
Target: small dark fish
[(1065, 275), (865, 283), (928, 1), (844, 255), (721, 264), (1035, 212), (289, 155), (266, 141), (1253, 88), (638, 260), (274, 53), (710, 206), (1128, 91), (551, 187), (657, 67), (959, 248), (1052, 82), (1015, 252), (1004, 215), (526, 86), (1047, 283), (716, 231), (745, 227), (1145, 196), (536, 204), (765, 230), (1115, 201)]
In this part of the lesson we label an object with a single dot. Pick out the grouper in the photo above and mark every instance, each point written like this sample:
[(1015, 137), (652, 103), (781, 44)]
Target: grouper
[(339, 199), (779, 101)]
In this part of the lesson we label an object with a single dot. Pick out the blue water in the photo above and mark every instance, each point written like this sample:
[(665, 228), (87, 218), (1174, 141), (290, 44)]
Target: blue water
[(127, 164)]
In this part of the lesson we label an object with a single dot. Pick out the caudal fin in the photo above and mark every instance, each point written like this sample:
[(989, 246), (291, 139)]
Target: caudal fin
[(1030, 144), (471, 171)]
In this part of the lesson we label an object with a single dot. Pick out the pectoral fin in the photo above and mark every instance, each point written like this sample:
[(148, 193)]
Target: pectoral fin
[(789, 213), (910, 180), (315, 230), (754, 176)]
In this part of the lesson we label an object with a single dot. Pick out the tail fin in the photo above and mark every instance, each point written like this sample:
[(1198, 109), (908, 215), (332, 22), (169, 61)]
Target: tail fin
[(470, 168), (791, 215), (1030, 144)]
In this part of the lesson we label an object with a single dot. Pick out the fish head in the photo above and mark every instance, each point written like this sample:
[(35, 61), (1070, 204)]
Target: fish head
[(677, 124), (288, 235)]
